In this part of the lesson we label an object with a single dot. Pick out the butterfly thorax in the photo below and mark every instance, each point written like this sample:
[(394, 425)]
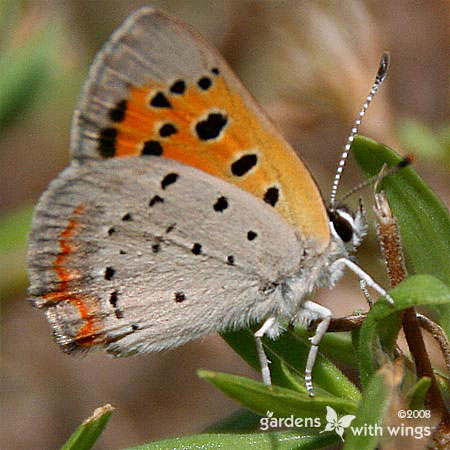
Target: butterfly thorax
[(347, 232)]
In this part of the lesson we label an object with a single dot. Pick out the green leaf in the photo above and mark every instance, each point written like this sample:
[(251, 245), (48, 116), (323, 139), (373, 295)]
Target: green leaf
[(9, 13), (418, 393), (14, 229), (280, 440), (425, 142), (281, 402), (292, 350), (294, 381), (371, 411), (424, 221), (24, 71), (238, 421), (86, 435), (416, 290), (443, 382), (335, 346)]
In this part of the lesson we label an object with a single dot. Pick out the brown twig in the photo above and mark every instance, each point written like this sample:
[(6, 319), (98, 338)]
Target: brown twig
[(346, 323), (391, 248), (439, 336)]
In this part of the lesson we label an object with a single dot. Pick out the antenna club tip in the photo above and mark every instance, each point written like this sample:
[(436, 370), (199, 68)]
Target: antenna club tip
[(383, 67), (386, 56)]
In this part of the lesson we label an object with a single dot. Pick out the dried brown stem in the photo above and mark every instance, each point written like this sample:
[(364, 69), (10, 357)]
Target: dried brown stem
[(439, 336), (391, 248), (346, 323)]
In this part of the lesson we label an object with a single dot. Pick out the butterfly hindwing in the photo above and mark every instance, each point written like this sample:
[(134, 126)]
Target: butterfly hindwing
[(140, 255), (157, 88)]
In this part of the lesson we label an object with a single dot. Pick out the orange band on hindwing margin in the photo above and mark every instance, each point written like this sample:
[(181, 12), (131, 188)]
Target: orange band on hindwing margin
[(87, 306)]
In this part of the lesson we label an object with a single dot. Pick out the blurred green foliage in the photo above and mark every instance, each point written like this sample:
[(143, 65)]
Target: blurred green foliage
[(27, 68), (425, 143)]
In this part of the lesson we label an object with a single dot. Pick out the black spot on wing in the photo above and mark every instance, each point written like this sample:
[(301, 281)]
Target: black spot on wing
[(159, 100), (196, 249), (113, 299), (169, 179), (211, 127), (221, 204), (204, 83), (215, 71), (251, 235), (230, 260), (107, 142), (244, 164), (152, 148), (272, 196), (179, 297), (111, 231), (109, 273), (167, 130), (117, 114), (127, 217), (170, 228), (154, 200), (178, 87)]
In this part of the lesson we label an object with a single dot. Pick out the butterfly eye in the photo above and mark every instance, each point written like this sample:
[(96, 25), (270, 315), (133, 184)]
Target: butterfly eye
[(342, 226)]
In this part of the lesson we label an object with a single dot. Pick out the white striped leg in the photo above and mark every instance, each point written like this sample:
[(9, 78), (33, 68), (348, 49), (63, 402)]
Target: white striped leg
[(324, 315), (366, 293), (263, 361)]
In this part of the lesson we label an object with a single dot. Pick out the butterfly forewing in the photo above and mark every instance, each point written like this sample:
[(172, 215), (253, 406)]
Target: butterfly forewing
[(159, 89)]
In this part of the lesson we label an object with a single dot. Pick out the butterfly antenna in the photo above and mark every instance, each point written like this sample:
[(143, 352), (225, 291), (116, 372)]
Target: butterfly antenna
[(381, 75), (405, 162)]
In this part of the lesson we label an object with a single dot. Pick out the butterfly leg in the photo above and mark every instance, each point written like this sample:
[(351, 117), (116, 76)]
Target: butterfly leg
[(324, 315), (366, 293), (263, 361), (363, 276)]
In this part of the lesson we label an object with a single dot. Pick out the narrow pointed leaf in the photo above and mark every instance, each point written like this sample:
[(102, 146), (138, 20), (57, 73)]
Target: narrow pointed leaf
[(238, 421), (418, 393), (335, 346), (281, 401), (86, 435), (293, 350), (280, 440), (371, 412)]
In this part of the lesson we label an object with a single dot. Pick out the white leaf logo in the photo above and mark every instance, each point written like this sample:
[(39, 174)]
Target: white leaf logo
[(338, 425)]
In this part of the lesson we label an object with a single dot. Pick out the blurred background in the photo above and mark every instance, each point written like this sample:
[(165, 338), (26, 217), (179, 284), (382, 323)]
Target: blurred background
[(309, 63)]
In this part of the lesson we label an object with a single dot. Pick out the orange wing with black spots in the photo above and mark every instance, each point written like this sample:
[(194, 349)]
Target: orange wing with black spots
[(158, 89)]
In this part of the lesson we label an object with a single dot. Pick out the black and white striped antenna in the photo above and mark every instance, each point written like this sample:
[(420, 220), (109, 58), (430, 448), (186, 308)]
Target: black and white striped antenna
[(381, 75)]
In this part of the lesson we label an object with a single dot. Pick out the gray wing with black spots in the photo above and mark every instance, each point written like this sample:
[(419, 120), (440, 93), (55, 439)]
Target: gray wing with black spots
[(165, 253)]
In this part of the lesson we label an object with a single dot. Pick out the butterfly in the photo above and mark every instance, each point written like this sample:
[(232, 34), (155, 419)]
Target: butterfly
[(183, 212)]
